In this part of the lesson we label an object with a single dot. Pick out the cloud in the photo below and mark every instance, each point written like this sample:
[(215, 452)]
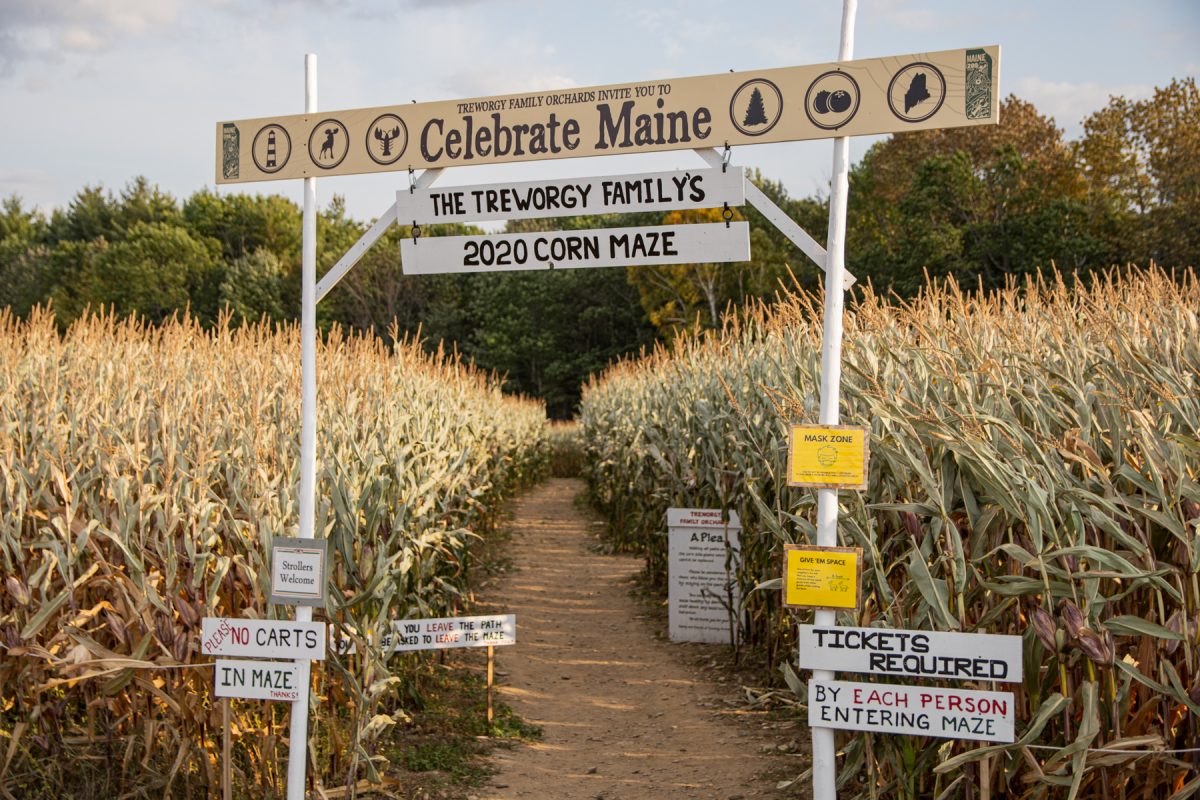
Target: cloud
[(40, 31), (1069, 103)]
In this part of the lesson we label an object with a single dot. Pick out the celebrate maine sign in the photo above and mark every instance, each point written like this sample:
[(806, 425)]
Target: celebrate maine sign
[(946, 89)]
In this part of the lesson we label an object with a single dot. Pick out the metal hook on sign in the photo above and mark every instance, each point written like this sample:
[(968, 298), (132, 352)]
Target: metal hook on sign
[(725, 158), (416, 231), (727, 214), (412, 181)]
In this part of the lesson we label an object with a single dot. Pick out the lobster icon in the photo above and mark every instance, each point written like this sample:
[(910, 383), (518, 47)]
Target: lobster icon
[(387, 137)]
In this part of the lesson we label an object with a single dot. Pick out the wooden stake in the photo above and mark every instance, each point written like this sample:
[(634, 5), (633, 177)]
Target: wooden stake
[(491, 671), (226, 749)]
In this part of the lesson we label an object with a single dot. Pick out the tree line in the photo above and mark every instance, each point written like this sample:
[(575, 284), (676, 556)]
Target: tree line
[(982, 204)]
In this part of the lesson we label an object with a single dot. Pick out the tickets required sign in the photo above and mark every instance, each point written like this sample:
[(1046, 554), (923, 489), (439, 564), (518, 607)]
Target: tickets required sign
[(822, 577), (945, 89), (915, 710), (923, 654), (828, 456)]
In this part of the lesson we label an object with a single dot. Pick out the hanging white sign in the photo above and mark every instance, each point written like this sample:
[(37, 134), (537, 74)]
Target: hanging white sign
[(264, 638), (610, 194), (298, 571), (923, 654), (916, 710), (258, 680), (702, 590), (605, 247)]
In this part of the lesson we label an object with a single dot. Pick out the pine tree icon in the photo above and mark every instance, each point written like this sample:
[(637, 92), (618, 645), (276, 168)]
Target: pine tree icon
[(755, 113)]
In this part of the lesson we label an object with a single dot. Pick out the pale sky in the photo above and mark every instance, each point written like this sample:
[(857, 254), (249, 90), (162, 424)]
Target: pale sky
[(99, 91)]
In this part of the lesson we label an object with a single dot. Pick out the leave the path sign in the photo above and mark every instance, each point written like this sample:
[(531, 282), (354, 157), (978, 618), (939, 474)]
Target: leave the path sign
[(606, 247), (452, 632), (945, 89), (610, 194)]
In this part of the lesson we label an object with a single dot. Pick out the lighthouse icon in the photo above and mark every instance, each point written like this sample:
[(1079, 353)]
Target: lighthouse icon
[(272, 148)]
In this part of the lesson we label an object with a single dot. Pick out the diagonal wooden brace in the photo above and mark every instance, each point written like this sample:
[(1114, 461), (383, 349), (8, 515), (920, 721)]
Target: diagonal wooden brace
[(777, 217), (373, 234)]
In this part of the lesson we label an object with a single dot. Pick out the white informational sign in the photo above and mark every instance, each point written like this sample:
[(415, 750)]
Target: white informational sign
[(699, 587), (605, 247), (449, 632), (262, 638), (298, 571), (916, 710), (495, 630), (258, 680), (922, 654), (610, 194)]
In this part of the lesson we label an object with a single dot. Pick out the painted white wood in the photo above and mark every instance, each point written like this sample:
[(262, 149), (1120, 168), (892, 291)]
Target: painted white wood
[(779, 218), (675, 190), (298, 722), (261, 680), (373, 234), (824, 750), (452, 632), (262, 638), (601, 247), (944, 655), (912, 710)]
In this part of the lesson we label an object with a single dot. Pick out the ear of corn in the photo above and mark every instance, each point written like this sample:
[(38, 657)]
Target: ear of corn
[(1035, 470), (143, 474)]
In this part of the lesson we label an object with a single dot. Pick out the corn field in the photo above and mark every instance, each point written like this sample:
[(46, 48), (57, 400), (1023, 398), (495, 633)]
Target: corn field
[(143, 474), (1035, 470)]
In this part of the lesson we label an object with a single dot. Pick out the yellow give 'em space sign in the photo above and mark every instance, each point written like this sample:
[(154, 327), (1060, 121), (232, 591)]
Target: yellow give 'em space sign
[(828, 456), (822, 577)]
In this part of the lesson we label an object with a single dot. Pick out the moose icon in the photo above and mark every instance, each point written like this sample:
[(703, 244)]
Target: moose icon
[(327, 145), (332, 135)]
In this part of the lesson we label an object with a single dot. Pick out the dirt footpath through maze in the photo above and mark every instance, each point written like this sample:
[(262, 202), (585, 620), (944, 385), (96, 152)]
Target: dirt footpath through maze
[(624, 715)]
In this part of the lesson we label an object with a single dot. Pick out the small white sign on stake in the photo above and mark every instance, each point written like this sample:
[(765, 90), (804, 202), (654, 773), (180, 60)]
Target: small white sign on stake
[(452, 632), (923, 654), (298, 571), (258, 680), (264, 638), (702, 243), (915, 710), (443, 633), (699, 585)]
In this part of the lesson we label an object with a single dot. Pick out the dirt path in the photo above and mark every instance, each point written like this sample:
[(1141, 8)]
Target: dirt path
[(625, 717)]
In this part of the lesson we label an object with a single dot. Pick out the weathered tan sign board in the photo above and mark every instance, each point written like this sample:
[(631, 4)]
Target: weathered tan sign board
[(946, 89)]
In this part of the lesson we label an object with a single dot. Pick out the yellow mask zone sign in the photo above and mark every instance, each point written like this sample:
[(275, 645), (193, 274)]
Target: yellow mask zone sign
[(828, 456)]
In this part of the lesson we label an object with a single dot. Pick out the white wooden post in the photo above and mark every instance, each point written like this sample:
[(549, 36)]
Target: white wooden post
[(823, 751), (298, 732)]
